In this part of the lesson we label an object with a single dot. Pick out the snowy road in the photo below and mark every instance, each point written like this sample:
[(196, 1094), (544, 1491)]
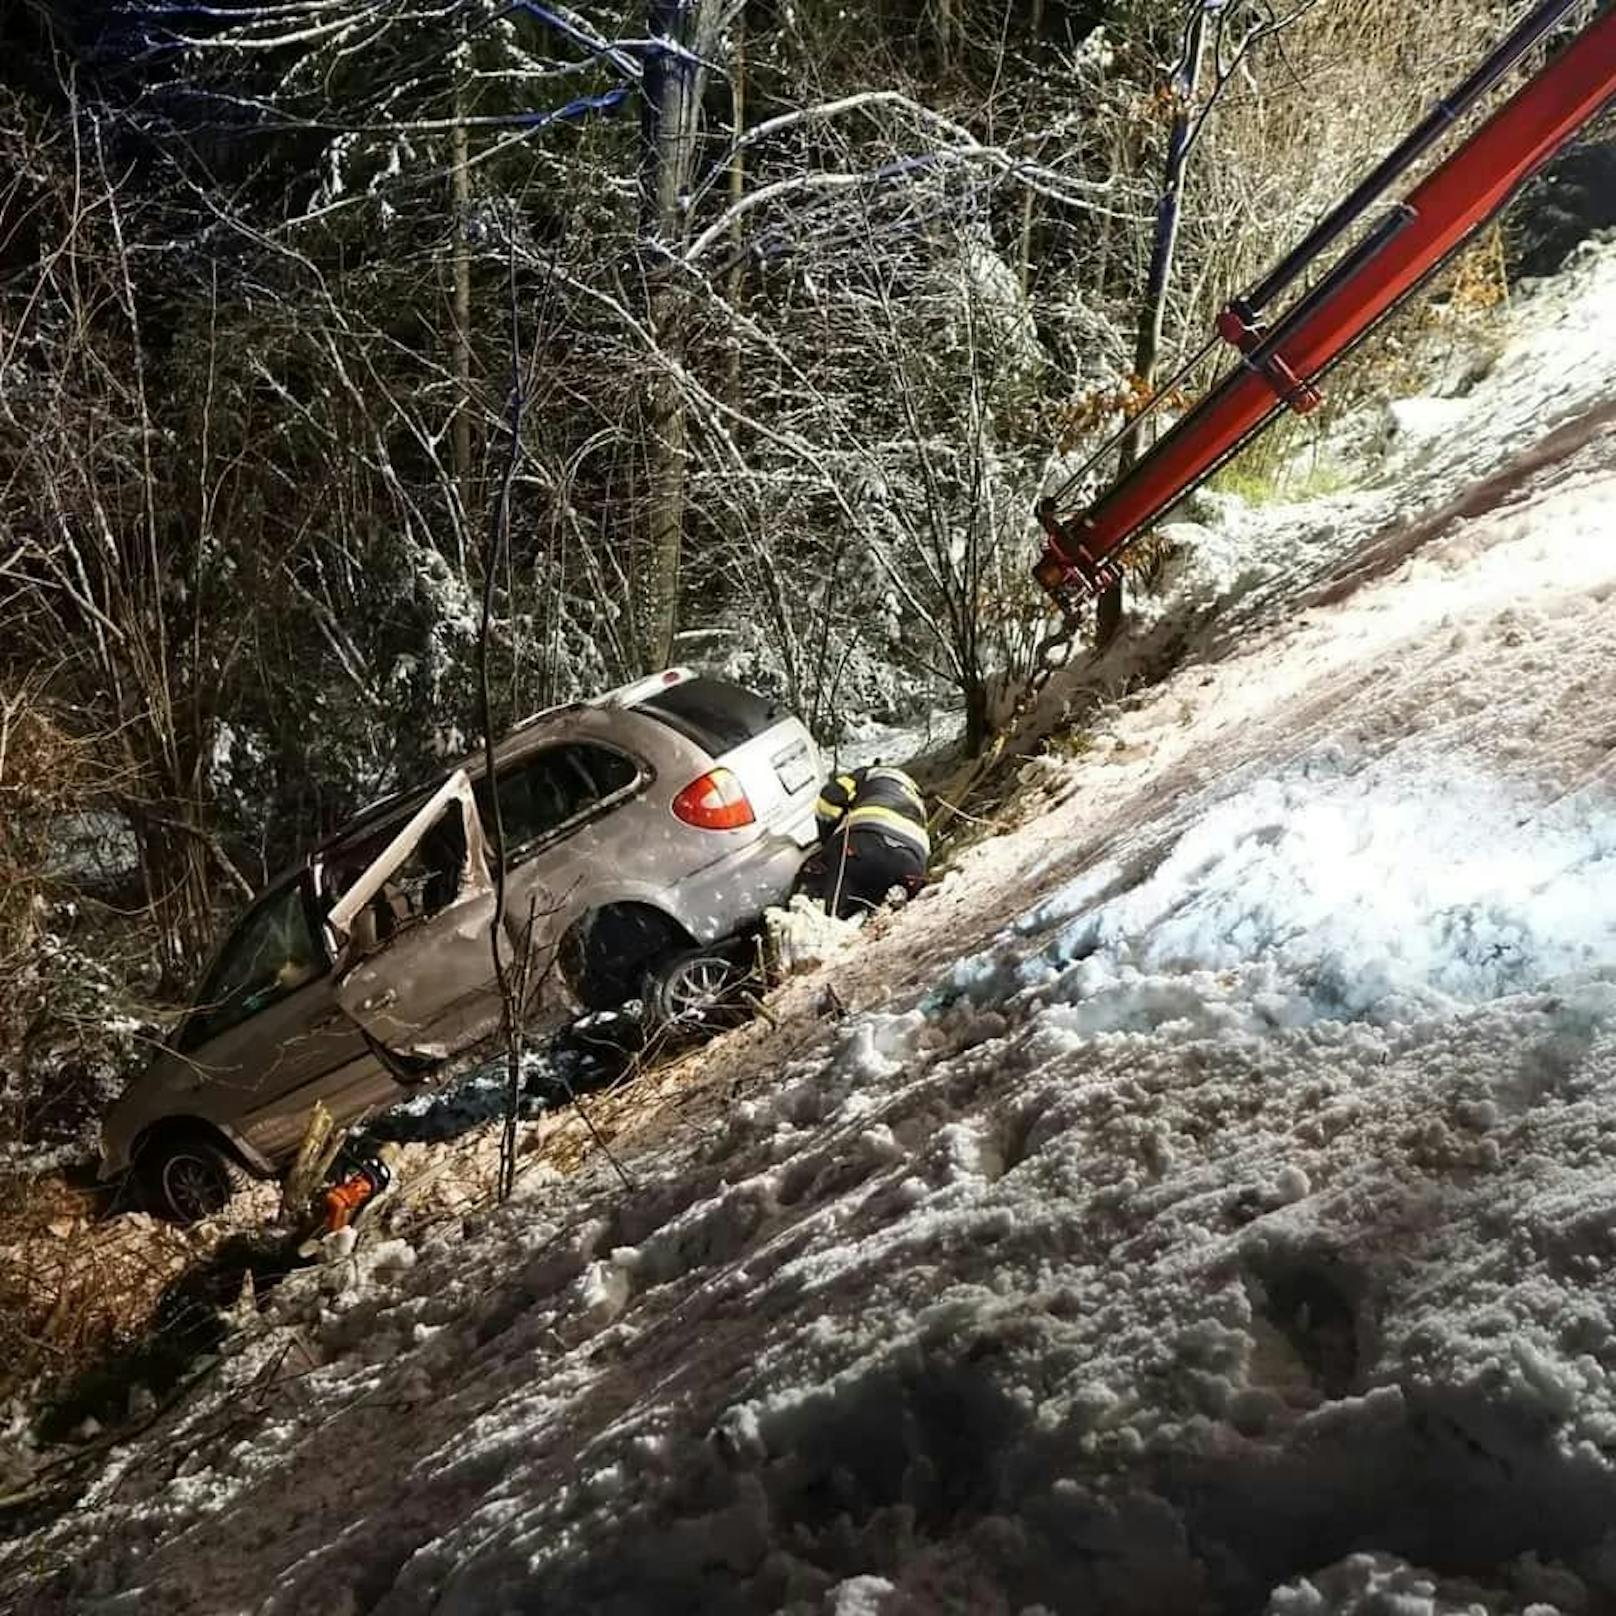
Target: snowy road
[(1216, 1179)]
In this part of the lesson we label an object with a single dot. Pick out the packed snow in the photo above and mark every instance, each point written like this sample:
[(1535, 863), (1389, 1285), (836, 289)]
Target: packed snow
[(1403, 464), (1203, 1200)]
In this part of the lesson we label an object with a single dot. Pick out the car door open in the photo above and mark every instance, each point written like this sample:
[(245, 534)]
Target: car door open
[(411, 934)]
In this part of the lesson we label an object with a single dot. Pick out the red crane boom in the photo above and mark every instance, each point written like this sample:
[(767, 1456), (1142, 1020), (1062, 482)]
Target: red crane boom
[(1279, 365)]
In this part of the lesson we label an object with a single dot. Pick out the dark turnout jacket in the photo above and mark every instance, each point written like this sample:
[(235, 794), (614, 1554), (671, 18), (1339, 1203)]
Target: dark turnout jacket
[(877, 799)]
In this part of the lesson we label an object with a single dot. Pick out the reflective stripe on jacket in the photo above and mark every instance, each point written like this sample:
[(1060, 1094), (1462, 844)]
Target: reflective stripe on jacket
[(835, 797), (878, 799)]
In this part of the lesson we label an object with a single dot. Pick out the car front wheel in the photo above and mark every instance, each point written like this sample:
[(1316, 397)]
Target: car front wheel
[(188, 1176)]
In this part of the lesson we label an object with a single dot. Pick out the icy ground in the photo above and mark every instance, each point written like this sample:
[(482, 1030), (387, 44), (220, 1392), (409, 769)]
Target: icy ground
[(1208, 1203)]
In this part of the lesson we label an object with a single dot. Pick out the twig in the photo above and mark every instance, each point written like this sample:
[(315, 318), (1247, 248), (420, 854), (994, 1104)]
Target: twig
[(957, 812), (759, 1008), (595, 1133), (42, 1484)]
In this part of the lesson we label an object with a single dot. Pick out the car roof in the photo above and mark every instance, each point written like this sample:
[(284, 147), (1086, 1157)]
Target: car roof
[(398, 805)]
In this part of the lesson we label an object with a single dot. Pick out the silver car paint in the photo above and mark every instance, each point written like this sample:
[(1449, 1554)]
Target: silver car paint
[(257, 1081)]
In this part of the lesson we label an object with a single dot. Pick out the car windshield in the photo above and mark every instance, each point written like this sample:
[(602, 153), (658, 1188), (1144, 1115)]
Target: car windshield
[(271, 954)]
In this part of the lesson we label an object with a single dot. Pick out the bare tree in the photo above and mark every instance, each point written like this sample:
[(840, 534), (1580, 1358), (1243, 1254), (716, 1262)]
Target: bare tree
[(684, 34)]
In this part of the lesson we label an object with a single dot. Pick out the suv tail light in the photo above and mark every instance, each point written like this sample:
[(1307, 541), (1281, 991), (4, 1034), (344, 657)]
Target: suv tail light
[(714, 802)]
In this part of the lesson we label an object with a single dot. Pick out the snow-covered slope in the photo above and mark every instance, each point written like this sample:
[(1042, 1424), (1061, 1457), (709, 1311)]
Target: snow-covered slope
[(1208, 1205), (1497, 413)]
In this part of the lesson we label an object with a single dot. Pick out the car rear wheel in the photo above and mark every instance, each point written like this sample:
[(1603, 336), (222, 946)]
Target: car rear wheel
[(697, 992), (188, 1175), (605, 957)]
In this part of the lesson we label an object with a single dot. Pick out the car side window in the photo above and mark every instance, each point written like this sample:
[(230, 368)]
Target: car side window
[(544, 792), (272, 953)]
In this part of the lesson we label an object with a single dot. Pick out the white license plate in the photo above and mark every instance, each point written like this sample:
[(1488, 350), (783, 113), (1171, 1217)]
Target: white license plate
[(794, 770)]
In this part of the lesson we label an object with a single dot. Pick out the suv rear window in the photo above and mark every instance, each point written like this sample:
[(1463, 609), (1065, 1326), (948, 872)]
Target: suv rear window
[(713, 714)]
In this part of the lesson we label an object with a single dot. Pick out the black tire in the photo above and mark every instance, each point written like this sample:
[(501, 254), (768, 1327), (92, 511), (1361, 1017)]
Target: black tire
[(605, 957), (698, 992), (187, 1174)]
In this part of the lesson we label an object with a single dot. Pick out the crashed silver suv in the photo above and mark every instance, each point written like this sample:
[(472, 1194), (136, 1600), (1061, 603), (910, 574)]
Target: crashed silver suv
[(643, 830)]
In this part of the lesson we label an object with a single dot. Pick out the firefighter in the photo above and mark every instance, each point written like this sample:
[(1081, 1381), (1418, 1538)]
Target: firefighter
[(872, 838)]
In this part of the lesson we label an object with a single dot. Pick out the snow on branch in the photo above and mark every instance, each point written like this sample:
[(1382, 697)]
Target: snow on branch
[(273, 28), (1041, 181), (627, 55), (964, 140), (965, 148), (566, 22)]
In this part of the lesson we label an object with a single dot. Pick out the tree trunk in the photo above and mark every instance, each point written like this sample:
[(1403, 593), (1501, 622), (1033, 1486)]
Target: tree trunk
[(978, 717), (672, 91), (1027, 197), (667, 135), (665, 494), (1164, 246), (737, 191), (460, 438)]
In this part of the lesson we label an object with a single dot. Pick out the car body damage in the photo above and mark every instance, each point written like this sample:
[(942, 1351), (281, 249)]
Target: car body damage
[(658, 818), (415, 961)]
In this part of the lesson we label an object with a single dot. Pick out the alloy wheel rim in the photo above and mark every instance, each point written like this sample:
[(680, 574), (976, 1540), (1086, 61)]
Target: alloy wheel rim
[(699, 987), (191, 1186)]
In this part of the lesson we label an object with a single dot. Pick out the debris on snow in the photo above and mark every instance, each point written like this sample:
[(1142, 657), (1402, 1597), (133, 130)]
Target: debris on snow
[(802, 935), (1205, 1205)]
